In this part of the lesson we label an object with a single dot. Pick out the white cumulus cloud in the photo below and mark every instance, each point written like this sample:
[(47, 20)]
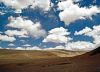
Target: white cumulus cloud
[(33, 29), (7, 38), (44, 4), (21, 4), (57, 47), (11, 44), (27, 48), (1, 13), (58, 35), (71, 12), (21, 33), (27, 45), (80, 46), (95, 33), (85, 30)]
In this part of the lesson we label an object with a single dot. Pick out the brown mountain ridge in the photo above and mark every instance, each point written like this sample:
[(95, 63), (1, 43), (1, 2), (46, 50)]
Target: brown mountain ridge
[(88, 62)]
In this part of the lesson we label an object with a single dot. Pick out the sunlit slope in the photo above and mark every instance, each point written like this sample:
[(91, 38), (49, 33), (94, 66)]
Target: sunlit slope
[(29, 55)]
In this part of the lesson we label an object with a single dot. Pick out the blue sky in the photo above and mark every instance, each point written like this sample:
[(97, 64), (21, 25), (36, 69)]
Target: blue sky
[(49, 20)]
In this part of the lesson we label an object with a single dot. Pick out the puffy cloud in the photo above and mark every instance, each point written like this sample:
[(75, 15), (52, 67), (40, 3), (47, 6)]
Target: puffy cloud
[(71, 12), (55, 38), (57, 47), (80, 46), (44, 4), (11, 44), (1, 13), (21, 4), (22, 41), (59, 31), (26, 45), (85, 30), (95, 33), (58, 35), (33, 29), (33, 48), (17, 4), (75, 46), (7, 38), (21, 33), (26, 48)]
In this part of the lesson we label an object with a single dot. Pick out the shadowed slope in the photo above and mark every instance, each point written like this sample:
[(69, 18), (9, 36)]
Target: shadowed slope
[(95, 52), (92, 54)]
